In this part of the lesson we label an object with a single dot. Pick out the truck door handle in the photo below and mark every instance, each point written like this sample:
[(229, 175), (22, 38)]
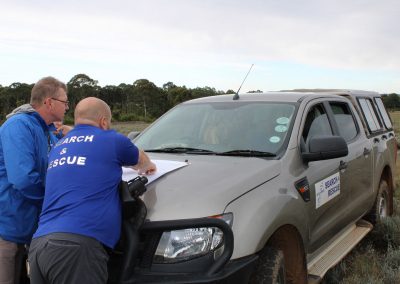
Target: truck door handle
[(343, 165), (376, 140), (366, 151)]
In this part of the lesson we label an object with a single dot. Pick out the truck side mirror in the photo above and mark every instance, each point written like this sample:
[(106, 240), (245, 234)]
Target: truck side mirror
[(132, 135), (324, 148)]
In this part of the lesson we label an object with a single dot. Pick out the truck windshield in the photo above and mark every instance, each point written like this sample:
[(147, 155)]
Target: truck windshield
[(221, 127)]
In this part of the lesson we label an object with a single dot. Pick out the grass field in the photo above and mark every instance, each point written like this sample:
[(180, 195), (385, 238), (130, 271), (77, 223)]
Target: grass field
[(376, 259), (395, 115), (126, 127)]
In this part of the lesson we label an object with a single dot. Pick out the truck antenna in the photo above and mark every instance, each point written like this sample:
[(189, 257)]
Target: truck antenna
[(236, 96)]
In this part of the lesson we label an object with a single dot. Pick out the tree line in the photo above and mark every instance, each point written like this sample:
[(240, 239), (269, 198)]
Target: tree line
[(391, 101), (142, 100)]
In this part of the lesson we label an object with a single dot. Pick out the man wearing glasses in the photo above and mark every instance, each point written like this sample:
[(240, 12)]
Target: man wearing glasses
[(25, 141)]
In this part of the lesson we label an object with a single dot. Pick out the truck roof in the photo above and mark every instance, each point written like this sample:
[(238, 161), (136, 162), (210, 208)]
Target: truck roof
[(287, 95)]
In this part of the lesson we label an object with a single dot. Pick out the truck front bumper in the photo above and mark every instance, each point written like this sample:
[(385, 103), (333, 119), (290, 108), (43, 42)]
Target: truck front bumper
[(138, 265), (235, 271)]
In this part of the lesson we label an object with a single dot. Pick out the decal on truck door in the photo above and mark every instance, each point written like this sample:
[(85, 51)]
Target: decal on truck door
[(327, 189)]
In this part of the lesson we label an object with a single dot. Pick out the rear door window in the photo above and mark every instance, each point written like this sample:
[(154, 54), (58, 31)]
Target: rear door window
[(383, 113), (370, 114)]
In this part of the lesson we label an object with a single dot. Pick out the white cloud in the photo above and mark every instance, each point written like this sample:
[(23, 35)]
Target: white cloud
[(194, 38)]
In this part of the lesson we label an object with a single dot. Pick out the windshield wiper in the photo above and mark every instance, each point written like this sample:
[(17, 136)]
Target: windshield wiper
[(187, 150), (247, 153)]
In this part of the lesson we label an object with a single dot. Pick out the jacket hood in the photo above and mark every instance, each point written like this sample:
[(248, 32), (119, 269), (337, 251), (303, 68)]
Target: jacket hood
[(205, 186), (25, 108)]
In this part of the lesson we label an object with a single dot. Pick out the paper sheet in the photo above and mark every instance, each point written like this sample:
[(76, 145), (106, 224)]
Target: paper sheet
[(163, 167)]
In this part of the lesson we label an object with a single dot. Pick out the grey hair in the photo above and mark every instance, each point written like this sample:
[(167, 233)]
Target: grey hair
[(44, 88)]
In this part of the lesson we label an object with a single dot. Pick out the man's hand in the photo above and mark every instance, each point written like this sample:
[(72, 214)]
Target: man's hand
[(145, 166), (149, 170), (64, 129)]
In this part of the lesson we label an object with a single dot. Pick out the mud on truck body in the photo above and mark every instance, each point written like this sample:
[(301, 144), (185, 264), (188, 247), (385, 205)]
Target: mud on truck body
[(278, 188)]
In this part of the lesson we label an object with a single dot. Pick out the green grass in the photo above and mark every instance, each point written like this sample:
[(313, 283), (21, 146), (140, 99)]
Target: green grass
[(395, 115), (126, 127), (376, 259)]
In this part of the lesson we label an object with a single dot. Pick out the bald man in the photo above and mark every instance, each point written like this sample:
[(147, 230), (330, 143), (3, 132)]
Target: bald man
[(82, 210)]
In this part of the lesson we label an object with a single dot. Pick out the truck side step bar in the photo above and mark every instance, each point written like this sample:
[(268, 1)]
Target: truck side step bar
[(337, 250)]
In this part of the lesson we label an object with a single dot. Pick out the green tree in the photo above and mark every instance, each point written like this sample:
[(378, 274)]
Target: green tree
[(203, 92), (14, 95), (81, 80), (149, 98), (113, 96), (140, 100), (79, 87), (391, 101), (177, 95), (168, 86)]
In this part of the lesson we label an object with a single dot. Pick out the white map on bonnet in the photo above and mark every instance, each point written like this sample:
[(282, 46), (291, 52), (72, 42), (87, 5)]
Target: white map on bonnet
[(163, 167)]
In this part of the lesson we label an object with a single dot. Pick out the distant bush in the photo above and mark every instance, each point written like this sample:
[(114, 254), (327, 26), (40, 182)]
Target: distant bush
[(128, 117), (133, 117)]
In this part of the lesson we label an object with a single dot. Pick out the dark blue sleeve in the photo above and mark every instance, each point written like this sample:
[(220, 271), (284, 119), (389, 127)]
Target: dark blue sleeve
[(127, 152), (20, 160), (54, 137)]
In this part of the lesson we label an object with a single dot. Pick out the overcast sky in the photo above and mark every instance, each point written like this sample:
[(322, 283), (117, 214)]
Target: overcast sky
[(292, 43)]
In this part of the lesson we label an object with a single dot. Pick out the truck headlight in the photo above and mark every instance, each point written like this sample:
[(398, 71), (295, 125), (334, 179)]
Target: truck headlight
[(182, 245)]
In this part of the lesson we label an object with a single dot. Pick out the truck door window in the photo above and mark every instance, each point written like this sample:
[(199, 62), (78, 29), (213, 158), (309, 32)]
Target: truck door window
[(344, 120), (383, 113), (316, 124), (369, 114)]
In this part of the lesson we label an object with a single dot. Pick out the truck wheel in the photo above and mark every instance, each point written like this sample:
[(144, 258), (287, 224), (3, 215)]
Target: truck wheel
[(383, 204), (270, 268)]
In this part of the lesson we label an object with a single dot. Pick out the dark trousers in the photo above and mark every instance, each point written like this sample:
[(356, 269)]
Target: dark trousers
[(67, 258), (12, 257)]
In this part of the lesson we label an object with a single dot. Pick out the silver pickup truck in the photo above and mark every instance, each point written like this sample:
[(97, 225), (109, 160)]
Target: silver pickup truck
[(278, 188)]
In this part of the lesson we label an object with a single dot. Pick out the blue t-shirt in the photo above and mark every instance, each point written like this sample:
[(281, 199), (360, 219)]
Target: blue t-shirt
[(81, 193)]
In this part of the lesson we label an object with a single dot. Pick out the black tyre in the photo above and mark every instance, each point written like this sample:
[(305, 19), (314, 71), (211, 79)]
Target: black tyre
[(383, 204), (270, 268)]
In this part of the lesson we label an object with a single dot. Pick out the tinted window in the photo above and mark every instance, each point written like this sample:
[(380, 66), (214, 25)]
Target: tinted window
[(344, 120), (221, 127), (383, 113), (369, 114), (317, 123)]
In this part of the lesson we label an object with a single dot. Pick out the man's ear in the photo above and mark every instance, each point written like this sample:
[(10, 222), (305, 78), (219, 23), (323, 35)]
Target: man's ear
[(47, 101), (104, 123)]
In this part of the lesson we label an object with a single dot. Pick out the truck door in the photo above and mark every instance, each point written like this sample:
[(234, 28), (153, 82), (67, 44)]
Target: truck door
[(357, 166), (328, 207)]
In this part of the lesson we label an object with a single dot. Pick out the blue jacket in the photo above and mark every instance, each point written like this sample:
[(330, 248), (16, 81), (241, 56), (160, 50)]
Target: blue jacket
[(24, 145)]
